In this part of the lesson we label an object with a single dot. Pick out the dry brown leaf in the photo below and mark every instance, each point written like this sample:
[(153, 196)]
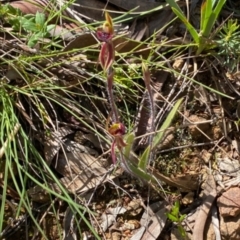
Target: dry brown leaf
[(210, 193), (188, 198), (186, 183), (81, 171), (84, 40), (69, 230), (53, 142), (154, 219), (62, 32), (138, 30), (122, 44), (76, 184), (29, 7), (77, 161), (140, 4), (198, 124), (94, 9), (110, 216)]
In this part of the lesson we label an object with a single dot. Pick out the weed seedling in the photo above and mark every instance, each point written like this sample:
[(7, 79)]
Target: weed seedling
[(176, 217)]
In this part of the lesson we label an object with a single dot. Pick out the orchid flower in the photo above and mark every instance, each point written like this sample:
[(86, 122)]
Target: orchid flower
[(106, 58), (105, 34), (117, 130)]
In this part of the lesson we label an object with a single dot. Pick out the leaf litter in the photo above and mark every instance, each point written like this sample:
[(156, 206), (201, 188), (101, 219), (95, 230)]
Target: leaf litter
[(208, 137)]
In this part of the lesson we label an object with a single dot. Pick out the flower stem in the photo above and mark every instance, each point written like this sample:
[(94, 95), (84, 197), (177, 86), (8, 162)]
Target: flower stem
[(115, 116)]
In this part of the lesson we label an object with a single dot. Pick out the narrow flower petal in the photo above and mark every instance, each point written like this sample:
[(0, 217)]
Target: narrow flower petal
[(108, 24), (121, 143), (110, 55), (102, 55), (109, 19), (113, 155), (107, 55)]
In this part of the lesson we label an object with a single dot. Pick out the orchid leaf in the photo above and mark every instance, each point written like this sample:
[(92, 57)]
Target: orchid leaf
[(159, 136), (141, 174), (129, 143), (144, 159)]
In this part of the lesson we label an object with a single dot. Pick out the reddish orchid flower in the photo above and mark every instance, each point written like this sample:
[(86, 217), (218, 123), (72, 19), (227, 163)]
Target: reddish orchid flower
[(105, 34), (117, 130)]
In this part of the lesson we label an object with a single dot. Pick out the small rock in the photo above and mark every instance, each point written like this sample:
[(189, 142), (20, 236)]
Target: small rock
[(116, 236), (227, 165), (229, 228), (134, 207), (130, 225), (206, 156), (178, 64), (188, 198), (217, 132), (229, 204), (107, 221), (218, 178)]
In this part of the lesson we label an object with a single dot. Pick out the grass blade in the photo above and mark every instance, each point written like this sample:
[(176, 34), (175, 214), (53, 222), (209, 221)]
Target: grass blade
[(188, 25), (206, 12), (173, 4), (211, 16)]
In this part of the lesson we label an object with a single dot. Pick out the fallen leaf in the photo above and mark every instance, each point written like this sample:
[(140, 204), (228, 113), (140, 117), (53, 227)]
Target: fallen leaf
[(53, 142), (154, 219)]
